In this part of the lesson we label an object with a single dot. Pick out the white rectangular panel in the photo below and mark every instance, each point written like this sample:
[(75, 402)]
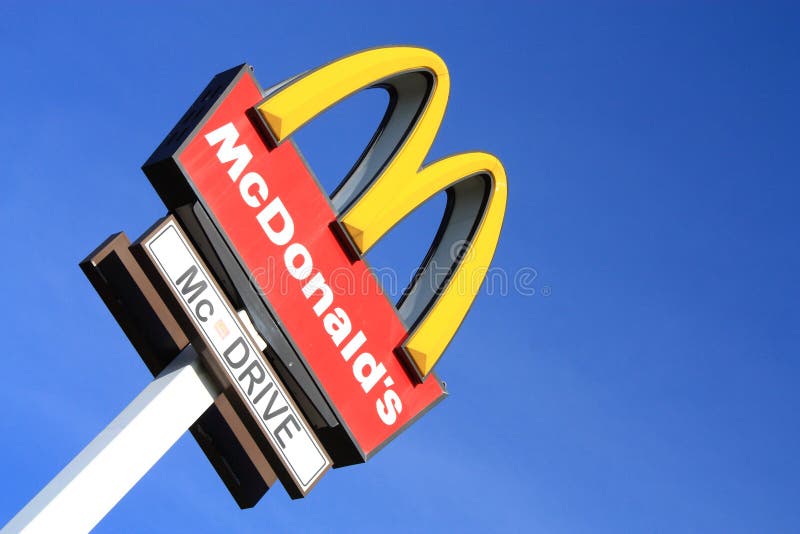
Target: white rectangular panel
[(253, 377)]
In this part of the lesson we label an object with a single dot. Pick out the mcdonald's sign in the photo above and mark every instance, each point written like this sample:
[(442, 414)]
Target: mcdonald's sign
[(358, 366)]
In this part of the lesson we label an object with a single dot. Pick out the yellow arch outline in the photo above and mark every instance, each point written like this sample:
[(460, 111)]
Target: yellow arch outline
[(402, 183)]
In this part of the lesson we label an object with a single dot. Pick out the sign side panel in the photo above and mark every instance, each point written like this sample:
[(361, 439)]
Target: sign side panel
[(254, 380)]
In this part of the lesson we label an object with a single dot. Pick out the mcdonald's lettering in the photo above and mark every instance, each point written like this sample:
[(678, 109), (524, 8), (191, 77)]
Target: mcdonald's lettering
[(361, 365), (334, 320)]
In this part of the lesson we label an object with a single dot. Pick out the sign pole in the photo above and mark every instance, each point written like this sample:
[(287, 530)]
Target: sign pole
[(103, 472)]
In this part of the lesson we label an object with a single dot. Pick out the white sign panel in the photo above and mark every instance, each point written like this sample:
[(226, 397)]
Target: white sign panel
[(265, 396)]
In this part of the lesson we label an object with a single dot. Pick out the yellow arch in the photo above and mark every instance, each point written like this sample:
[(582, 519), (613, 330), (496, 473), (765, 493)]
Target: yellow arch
[(391, 180)]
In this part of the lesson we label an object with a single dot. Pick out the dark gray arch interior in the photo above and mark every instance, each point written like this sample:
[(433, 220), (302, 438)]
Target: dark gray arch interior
[(409, 93), (466, 203)]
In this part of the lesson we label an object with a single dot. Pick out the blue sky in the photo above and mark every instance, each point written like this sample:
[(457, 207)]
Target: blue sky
[(647, 384)]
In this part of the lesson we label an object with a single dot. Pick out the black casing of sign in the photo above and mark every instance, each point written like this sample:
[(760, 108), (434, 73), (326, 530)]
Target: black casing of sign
[(172, 185)]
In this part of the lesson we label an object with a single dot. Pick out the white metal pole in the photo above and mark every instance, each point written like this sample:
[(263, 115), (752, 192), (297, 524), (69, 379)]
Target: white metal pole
[(97, 478)]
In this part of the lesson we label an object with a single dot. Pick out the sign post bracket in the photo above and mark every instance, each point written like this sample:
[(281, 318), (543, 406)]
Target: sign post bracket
[(154, 332)]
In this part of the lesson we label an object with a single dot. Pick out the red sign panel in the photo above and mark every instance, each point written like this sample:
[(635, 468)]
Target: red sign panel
[(278, 220)]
